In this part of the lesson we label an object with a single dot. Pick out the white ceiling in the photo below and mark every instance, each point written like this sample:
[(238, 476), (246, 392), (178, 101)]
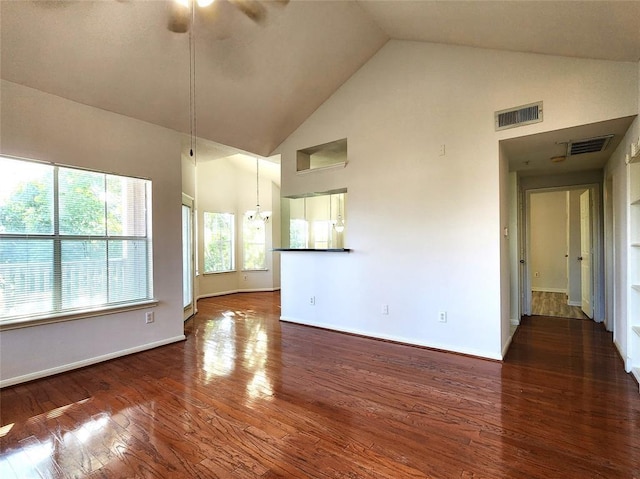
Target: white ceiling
[(531, 155), (255, 84)]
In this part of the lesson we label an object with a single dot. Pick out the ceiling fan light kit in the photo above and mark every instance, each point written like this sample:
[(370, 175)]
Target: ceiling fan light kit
[(182, 11)]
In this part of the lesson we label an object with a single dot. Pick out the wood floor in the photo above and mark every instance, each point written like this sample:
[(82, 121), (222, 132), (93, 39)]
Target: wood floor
[(247, 396), (544, 303)]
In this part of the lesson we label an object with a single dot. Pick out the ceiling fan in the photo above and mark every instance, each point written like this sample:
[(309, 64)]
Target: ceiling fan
[(181, 14)]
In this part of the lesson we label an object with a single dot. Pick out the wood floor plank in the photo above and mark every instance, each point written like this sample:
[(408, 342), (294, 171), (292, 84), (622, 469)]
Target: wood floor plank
[(247, 396)]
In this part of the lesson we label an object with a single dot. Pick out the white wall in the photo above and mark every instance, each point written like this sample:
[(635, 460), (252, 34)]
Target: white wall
[(617, 175), (505, 255), (426, 229), (548, 241), (514, 249), (42, 126), (223, 187)]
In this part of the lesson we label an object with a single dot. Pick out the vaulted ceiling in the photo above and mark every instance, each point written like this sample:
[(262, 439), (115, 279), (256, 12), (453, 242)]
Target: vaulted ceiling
[(256, 83)]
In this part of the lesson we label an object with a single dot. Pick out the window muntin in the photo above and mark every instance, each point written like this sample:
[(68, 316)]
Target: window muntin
[(254, 245), (71, 240), (219, 242)]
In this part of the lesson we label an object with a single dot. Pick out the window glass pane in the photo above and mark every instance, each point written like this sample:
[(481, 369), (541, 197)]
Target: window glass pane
[(321, 234), (26, 276), (84, 273), (187, 270), (128, 270), (218, 242), (126, 199), (254, 248), (68, 271), (298, 234), (26, 197), (82, 202)]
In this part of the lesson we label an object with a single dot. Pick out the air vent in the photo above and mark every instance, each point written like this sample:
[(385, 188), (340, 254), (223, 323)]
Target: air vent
[(519, 116), (590, 145)]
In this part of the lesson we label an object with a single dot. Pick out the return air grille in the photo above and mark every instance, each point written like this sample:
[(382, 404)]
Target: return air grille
[(518, 116), (590, 145)]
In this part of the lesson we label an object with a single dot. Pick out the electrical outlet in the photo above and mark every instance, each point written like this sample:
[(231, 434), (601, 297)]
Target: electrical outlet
[(385, 309), (244, 277), (442, 317), (148, 317), (537, 274), (312, 300)]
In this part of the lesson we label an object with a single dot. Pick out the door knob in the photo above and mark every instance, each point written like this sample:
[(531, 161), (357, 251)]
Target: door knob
[(579, 258)]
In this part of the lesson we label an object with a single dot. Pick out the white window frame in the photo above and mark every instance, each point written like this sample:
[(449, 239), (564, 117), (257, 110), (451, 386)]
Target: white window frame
[(229, 268), (247, 224), (57, 312)]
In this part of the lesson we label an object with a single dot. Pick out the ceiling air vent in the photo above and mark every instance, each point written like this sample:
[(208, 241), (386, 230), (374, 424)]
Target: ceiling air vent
[(519, 116), (590, 145)]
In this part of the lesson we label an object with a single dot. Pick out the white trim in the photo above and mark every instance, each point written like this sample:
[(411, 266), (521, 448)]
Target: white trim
[(625, 359), (397, 339), (549, 290), (514, 322), (28, 322), (574, 303), (234, 291), (505, 348), (342, 164), (87, 362)]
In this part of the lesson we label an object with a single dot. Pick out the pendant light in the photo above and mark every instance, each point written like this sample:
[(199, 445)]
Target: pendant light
[(339, 225), (258, 217)]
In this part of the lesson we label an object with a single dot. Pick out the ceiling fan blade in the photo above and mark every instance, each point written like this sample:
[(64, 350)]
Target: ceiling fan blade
[(179, 18), (251, 8)]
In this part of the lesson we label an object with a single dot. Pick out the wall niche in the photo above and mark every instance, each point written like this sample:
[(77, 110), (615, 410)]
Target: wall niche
[(327, 155)]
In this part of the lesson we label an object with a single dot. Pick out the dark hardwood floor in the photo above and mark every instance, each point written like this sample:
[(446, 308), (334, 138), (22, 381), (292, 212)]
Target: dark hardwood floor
[(247, 396)]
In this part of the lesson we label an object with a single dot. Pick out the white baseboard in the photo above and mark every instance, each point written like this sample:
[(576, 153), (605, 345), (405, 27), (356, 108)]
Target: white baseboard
[(234, 291), (87, 362), (396, 339), (574, 303), (514, 322), (505, 348), (549, 290)]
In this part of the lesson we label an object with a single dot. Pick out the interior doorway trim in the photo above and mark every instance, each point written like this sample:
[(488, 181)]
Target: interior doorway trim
[(597, 245)]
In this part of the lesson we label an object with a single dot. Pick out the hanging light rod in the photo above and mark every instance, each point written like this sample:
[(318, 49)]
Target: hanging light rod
[(200, 3), (258, 217)]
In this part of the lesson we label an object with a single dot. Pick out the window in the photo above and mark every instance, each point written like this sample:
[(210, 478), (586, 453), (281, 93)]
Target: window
[(71, 240), (299, 234), (322, 234), (218, 242), (254, 245)]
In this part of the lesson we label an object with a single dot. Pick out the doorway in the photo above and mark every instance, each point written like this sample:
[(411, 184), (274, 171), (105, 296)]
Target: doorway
[(188, 258), (562, 252)]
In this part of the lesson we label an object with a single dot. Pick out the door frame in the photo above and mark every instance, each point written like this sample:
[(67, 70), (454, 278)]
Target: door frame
[(597, 245), (190, 309)]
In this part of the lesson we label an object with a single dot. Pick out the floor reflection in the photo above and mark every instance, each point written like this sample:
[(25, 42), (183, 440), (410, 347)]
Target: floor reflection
[(57, 445), (219, 348)]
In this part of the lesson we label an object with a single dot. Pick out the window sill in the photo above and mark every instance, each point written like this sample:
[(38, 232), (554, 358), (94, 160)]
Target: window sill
[(255, 270), (313, 250), (207, 273), (20, 323)]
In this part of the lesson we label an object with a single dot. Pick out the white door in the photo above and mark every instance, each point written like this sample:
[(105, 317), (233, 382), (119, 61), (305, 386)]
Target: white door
[(585, 253), (187, 258)]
